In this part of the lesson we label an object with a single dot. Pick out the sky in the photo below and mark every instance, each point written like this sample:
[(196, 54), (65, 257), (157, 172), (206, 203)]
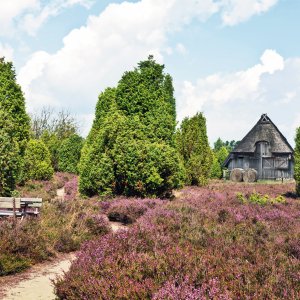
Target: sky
[(233, 60)]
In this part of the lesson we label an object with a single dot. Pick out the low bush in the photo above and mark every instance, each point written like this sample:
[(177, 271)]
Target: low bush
[(128, 211), (71, 188), (10, 264), (61, 227), (47, 189), (98, 224), (260, 199)]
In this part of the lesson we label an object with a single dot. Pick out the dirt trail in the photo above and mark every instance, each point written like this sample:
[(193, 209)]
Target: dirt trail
[(60, 193), (115, 226), (35, 283)]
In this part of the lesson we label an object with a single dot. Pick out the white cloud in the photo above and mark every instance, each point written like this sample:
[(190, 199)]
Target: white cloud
[(95, 55), (30, 15), (234, 102), (33, 21), (236, 11), (12, 9), (6, 51), (218, 89)]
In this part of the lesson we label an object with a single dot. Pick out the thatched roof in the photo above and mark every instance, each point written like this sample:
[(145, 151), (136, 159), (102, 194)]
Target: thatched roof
[(264, 130)]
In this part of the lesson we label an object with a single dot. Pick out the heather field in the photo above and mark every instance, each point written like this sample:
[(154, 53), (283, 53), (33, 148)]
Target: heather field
[(224, 241), (63, 225)]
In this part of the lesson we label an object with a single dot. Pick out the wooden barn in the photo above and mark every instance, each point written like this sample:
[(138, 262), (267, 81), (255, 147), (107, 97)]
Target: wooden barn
[(264, 149)]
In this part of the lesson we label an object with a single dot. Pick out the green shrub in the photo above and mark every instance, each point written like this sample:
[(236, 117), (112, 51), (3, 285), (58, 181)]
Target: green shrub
[(9, 163), (260, 199), (37, 161), (69, 154), (11, 264)]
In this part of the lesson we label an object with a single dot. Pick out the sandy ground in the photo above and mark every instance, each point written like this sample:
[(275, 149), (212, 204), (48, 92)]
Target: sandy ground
[(60, 193), (115, 226), (35, 284)]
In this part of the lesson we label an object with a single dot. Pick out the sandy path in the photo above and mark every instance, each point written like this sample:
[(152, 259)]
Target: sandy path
[(35, 283), (115, 226), (60, 193)]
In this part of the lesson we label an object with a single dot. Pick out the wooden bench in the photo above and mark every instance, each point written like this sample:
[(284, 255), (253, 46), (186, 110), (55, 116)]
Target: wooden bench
[(19, 207)]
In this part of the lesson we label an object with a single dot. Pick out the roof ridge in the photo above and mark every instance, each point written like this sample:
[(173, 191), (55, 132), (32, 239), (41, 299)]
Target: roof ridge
[(264, 119)]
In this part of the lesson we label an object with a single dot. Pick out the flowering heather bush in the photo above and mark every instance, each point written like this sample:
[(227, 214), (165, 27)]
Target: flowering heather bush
[(98, 224), (61, 227), (128, 211), (71, 188), (61, 178), (174, 290), (205, 245), (45, 189)]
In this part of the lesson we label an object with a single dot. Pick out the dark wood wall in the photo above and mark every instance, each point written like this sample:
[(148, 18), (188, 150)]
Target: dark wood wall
[(268, 167)]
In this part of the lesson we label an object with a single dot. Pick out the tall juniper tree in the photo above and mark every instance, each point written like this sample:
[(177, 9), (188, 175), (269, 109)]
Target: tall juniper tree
[(130, 149), (193, 146), (14, 128)]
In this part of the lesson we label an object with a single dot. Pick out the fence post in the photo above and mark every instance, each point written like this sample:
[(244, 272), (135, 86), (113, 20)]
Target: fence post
[(14, 207)]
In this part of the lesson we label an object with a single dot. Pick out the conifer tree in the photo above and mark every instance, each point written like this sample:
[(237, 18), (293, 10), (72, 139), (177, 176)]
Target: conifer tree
[(37, 161), (192, 143), (297, 161), (130, 149), (14, 128), (216, 170), (69, 153)]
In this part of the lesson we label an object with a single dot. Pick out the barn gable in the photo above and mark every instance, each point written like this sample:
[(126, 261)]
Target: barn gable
[(264, 130), (264, 149)]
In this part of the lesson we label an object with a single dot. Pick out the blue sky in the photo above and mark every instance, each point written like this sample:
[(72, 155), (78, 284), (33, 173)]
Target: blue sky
[(231, 59)]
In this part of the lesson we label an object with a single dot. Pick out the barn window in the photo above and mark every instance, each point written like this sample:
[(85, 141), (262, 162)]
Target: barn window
[(263, 148)]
